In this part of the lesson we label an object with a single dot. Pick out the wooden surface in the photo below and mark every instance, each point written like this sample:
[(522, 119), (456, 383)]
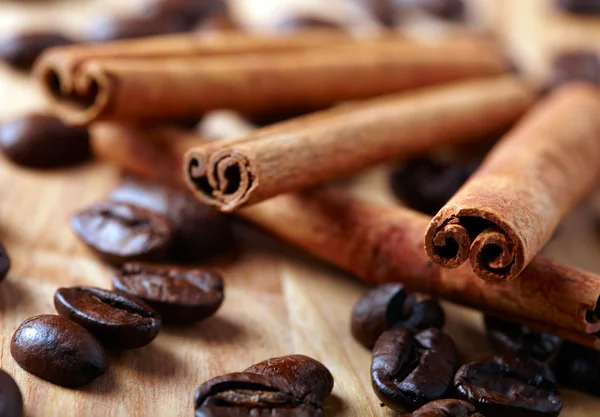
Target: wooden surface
[(278, 301)]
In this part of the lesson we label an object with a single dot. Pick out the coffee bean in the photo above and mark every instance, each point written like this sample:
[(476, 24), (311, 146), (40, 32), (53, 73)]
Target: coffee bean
[(11, 400), (383, 10), (310, 379), (22, 49), (248, 394), (506, 337), (574, 66), (199, 231), (523, 365), (119, 321), (295, 22), (120, 232), (390, 306), (586, 7), (58, 350), (446, 9), (188, 12), (411, 369), (446, 408), (4, 262), (507, 389), (578, 367), (110, 28), (43, 141), (179, 295), (425, 185)]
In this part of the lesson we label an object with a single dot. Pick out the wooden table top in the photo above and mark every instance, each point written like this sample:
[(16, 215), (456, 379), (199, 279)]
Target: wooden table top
[(278, 301)]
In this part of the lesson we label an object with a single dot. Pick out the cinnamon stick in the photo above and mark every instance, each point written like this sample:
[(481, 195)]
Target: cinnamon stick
[(501, 218), (384, 244), (307, 151), (258, 84)]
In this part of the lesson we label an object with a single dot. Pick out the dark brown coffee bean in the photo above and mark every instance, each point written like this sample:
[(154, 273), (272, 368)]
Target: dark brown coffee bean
[(389, 306), (586, 7), (179, 295), (446, 9), (425, 184), (386, 11), (188, 12), (311, 379), (446, 408), (4, 262), (506, 337), (199, 231), (110, 28), (119, 321), (574, 66), (120, 232), (523, 365), (22, 49), (578, 367), (11, 400), (411, 369), (58, 350), (295, 22), (43, 141), (248, 394), (507, 389)]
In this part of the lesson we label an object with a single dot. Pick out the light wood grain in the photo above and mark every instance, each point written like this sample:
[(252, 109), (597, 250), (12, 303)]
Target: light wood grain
[(278, 301)]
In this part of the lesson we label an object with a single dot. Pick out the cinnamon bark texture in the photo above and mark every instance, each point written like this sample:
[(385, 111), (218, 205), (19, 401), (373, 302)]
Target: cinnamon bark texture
[(153, 153), (308, 151), (501, 218), (258, 84), (385, 244)]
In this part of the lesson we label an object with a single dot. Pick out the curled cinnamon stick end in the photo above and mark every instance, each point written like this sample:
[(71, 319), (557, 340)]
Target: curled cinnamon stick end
[(225, 180), (478, 237), (508, 210)]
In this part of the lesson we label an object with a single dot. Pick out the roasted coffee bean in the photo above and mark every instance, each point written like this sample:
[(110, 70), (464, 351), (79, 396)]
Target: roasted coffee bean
[(506, 337), (179, 295), (425, 185), (296, 22), (44, 141), (578, 367), (199, 231), (446, 408), (4, 262), (590, 7), (58, 350), (389, 306), (188, 12), (110, 28), (22, 49), (574, 66), (411, 369), (120, 232), (523, 365), (446, 9), (383, 10), (312, 380), (500, 388), (248, 394), (11, 400), (119, 321)]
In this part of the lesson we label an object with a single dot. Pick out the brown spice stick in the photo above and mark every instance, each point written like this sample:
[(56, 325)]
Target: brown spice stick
[(501, 218), (258, 84), (60, 65), (384, 244), (308, 151)]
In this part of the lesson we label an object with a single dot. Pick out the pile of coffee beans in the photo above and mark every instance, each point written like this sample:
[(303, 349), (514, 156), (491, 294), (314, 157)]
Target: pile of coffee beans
[(417, 368)]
